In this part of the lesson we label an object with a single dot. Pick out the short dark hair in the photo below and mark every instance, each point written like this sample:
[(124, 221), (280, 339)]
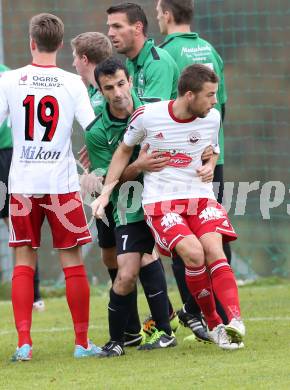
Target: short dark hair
[(193, 77), (109, 67), (94, 45), (47, 31), (182, 10), (134, 12)]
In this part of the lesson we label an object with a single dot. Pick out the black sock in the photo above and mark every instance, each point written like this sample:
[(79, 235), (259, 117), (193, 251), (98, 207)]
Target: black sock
[(178, 269), (113, 273), (220, 311), (133, 325), (192, 307), (228, 251), (152, 278), (118, 313), (37, 296), (170, 307)]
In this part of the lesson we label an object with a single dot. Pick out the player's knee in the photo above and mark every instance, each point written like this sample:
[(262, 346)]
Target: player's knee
[(213, 253), (193, 256), (126, 279)]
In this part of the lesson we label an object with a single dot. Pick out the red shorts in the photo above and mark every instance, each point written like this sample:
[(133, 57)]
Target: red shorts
[(171, 221), (65, 215)]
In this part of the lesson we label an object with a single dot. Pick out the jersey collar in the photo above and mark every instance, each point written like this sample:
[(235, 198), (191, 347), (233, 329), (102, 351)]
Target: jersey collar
[(44, 66), (183, 35), (170, 110), (140, 59)]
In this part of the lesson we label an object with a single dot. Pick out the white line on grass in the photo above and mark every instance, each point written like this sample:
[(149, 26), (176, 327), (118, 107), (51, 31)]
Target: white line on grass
[(69, 328), (48, 330)]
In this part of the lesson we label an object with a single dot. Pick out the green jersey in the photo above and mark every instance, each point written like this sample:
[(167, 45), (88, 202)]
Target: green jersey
[(96, 98), (5, 130), (102, 139), (189, 48), (154, 73)]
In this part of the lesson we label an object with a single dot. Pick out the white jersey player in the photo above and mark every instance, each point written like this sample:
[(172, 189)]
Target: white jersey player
[(180, 209), (182, 141), (42, 102)]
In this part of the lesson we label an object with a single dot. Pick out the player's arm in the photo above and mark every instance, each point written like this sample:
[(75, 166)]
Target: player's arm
[(133, 136), (206, 171), (150, 162), (119, 162)]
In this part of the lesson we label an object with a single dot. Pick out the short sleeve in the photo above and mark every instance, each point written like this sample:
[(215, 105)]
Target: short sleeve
[(84, 112), (135, 132)]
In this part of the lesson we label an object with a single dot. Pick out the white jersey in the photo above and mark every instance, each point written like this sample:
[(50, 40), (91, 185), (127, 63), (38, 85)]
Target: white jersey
[(42, 102), (183, 141)]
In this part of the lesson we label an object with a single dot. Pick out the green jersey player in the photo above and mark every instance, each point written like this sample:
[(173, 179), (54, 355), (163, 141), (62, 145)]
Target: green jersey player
[(89, 49), (134, 242), (153, 71)]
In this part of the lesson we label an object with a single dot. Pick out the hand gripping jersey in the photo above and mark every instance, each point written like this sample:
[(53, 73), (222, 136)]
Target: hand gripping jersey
[(182, 140), (42, 103)]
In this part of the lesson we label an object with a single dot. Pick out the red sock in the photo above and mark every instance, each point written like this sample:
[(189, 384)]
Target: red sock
[(78, 299), (22, 301), (225, 287), (198, 283)]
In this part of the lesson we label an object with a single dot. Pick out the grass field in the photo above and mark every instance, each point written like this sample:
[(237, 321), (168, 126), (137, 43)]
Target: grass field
[(263, 364)]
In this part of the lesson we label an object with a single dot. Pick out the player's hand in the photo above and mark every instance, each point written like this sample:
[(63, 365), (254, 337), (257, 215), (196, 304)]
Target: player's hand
[(84, 158), (91, 183), (206, 172), (207, 153), (98, 206), (151, 162)]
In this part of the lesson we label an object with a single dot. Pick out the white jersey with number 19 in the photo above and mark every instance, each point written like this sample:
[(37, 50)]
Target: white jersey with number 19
[(42, 102)]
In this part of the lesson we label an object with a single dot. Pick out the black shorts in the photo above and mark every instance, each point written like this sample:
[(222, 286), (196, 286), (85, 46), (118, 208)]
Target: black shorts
[(5, 162), (134, 237), (219, 180), (106, 234)]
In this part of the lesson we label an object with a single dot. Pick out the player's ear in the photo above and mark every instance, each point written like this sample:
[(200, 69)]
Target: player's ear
[(139, 28), (168, 16), (32, 44), (130, 81), (190, 96), (85, 59)]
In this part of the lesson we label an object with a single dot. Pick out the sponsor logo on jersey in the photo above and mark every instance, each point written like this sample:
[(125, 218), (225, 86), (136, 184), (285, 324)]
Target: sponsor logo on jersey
[(211, 214), (191, 50), (33, 153), (178, 160), (45, 81), (194, 137), (171, 219)]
